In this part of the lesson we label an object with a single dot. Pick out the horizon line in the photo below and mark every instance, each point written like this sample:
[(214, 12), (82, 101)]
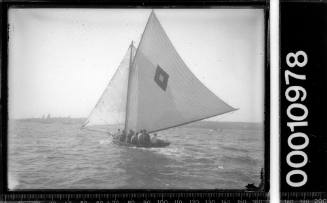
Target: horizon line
[(70, 117)]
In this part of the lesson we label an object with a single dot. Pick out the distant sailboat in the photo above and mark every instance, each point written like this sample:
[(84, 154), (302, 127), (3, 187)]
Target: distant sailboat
[(153, 89)]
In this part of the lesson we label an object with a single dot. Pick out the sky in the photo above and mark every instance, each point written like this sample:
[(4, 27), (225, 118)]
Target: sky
[(61, 60)]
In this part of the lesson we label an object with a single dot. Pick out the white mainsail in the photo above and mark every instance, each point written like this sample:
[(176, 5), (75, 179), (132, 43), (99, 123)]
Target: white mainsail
[(111, 107), (162, 91)]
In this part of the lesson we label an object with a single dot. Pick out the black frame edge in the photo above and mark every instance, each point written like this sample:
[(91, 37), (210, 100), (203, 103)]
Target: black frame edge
[(6, 4), (4, 95)]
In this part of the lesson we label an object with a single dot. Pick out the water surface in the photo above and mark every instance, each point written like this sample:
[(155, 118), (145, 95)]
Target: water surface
[(57, 154)]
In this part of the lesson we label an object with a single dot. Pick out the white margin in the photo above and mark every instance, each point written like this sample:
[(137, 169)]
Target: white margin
[(274, 193)]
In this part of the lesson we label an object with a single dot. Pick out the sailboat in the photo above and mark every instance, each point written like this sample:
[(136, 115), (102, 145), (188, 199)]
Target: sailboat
[(154, 90)]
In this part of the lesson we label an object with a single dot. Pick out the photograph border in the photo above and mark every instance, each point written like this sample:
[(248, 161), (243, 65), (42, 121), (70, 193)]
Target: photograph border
[(130, 4)]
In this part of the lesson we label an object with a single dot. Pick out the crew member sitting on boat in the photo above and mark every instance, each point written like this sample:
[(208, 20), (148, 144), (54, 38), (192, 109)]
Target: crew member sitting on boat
[(141, 138), (134, 139), (122, 137), (117, 135), (129, 136), (144, 138), (154, 139)]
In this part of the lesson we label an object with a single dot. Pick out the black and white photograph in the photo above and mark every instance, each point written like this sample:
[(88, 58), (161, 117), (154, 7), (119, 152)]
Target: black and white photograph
[(136, 98)]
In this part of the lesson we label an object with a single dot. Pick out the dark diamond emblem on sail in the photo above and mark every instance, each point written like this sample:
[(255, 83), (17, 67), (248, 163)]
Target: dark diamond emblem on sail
[(161, 78)]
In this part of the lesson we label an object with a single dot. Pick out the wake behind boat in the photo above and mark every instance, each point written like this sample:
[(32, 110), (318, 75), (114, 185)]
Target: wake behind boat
[(153, 90)]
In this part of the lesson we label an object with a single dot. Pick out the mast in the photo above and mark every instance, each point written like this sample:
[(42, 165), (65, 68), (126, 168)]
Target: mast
[(130, 70), (128, 85)]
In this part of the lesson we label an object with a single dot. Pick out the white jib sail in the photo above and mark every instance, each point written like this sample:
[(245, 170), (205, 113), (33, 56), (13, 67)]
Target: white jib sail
[(111, 107), (163, 92)]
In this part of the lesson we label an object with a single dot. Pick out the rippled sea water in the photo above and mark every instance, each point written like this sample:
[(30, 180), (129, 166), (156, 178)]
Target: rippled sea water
[(57, 154)]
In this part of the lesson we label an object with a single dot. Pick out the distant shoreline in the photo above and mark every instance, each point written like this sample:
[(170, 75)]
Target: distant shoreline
[(200, 124)]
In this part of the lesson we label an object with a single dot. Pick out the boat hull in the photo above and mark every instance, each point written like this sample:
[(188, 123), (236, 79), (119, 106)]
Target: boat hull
[(159, 144)]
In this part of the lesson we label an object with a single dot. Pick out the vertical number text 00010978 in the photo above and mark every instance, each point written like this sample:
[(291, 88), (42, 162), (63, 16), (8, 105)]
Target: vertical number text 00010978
[(296, 95)]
